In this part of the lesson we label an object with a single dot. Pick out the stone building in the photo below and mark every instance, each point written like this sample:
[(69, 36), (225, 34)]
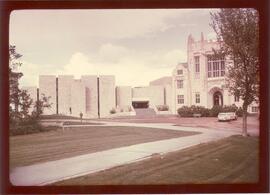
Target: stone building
[(199, 81)]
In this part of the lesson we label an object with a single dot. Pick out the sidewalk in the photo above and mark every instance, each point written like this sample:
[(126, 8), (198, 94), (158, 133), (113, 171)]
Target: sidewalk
[(53, 171)]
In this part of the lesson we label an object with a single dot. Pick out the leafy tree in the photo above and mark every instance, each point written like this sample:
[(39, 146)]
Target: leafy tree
[(40, 105), (25, 103), (19, 100), (238, 31), (14, 91)]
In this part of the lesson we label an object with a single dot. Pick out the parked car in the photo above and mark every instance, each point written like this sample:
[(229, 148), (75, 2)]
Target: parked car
[(227, 116), (233, 115)]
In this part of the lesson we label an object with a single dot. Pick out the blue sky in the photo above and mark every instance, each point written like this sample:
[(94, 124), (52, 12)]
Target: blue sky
[(136, 46)]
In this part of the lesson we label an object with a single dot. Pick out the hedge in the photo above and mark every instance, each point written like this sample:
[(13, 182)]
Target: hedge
[(28, 127), (186, 111)]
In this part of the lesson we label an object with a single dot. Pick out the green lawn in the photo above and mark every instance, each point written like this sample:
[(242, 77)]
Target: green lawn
[(230, 160), (59, 144)]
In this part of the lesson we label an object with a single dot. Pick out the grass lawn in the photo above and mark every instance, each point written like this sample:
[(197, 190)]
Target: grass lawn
[(230, 160), (54, 145)]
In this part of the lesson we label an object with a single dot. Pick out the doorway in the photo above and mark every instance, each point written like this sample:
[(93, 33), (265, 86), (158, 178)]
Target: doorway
[(140, 104), (217, 99)]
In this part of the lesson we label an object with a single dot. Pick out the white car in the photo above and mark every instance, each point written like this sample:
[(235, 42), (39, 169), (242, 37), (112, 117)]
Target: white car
[(233, 115), (227, 116)]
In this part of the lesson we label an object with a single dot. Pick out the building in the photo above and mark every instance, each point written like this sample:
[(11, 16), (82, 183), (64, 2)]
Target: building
[(199, 81)]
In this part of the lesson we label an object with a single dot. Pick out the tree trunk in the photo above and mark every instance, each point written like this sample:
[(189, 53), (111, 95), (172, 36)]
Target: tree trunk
[(244, 130)]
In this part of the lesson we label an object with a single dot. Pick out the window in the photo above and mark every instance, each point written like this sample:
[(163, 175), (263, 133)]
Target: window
[(197, 64), (215, 66), (236, 98), (222, 68), (179, 72), (197, 98), (180, 99), (180, 84), (209, 69), (254, 109)]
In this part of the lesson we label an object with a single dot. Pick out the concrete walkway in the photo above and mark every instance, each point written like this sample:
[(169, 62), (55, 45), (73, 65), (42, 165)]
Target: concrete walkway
[(53, 171)]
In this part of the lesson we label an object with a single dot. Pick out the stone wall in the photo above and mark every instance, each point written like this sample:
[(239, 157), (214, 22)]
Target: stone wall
[(123, 96), (47, 86), (78, 103), (64, 94), (106, 94), (155, 94), (91, 93)]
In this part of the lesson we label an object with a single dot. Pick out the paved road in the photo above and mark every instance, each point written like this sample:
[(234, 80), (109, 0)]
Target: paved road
[(53, 171)]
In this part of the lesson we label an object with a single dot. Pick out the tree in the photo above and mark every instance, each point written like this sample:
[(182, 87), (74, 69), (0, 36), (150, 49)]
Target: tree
[(25, 103), (238, 31), (39, 106), (14, 91), (19, 100)]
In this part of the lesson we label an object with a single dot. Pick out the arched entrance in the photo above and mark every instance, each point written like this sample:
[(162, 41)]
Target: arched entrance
[(217, 99)]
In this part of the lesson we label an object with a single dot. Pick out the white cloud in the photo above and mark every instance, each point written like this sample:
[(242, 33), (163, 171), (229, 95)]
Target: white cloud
[(111, 53), (31, 72), (110, 24), (128, 67)]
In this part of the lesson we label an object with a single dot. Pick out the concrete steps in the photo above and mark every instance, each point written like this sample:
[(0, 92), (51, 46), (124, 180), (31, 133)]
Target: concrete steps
[(145, 112)]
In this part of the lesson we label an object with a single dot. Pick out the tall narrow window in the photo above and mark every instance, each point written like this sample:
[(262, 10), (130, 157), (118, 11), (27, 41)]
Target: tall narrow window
[(180, 84), (222, 68), (209, 69), (197, 98), (197, 64), (180, 99)]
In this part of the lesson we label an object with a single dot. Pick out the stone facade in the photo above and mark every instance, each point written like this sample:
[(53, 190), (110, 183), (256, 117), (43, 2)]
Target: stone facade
[(47, 86), (123, 96), (64, 94), (201, 81), (91, 93), (78, 98), (106, 94)]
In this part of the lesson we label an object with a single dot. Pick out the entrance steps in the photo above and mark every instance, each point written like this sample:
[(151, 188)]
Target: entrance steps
[(145, 112)]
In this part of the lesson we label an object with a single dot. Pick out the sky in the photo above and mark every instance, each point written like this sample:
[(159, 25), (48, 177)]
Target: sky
[(135, 45)]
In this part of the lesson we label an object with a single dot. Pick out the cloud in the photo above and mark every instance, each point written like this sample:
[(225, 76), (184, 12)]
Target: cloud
[(31, 72), (129, 67), (87, 24), (111, 53)]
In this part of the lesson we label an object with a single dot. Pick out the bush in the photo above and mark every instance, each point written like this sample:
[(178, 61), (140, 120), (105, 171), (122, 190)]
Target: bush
[(28, 126), (215, 110), (186, 111), (162, 107), (232, 108), (200, 110), (113, 111)]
